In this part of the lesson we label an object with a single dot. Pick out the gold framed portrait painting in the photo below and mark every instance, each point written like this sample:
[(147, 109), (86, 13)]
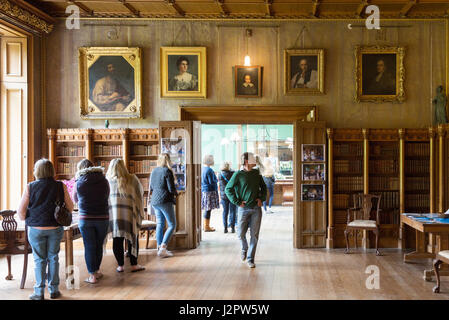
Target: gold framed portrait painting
[(379, 74), (303, 71), (110, 82), (183, 72)]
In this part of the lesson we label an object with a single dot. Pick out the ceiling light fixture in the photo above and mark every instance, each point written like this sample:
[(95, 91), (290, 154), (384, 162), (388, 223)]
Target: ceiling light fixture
[(247, 61)]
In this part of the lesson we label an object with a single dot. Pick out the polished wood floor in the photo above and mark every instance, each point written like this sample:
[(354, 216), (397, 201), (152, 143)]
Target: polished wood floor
[(214, 271)]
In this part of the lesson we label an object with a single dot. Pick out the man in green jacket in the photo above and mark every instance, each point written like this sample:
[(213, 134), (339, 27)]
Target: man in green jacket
[(247, 190)]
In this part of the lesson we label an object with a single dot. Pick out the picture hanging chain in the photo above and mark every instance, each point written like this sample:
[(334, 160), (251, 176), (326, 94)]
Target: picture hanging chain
[(301, 34)]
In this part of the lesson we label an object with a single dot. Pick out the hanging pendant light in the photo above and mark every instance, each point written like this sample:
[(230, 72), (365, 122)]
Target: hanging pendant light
[(247, 61)]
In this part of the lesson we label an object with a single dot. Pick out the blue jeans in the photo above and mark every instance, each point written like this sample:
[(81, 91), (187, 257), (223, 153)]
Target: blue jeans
[(252, 218), (94, 232), (164, 212), (228, 209), (46, 245), (270, 186)]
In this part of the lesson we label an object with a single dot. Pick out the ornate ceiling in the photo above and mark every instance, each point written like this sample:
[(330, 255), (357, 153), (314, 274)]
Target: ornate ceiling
[(246, 9)]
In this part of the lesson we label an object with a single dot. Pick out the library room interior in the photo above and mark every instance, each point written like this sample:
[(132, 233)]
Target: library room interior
[(224, 150)]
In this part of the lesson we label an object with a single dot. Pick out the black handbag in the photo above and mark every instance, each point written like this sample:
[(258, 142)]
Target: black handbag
[(62, 215)]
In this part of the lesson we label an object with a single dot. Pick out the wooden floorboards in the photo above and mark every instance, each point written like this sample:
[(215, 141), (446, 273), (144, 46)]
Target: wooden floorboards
[(214, 271)]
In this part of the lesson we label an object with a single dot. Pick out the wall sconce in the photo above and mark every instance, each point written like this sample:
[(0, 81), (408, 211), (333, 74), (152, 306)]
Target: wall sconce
[(247, 61)]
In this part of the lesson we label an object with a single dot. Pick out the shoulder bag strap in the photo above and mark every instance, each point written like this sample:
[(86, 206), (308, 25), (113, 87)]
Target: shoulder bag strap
[(224, 177)]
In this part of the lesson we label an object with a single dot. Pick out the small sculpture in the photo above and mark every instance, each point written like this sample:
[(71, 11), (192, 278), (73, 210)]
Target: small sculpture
[(439, 103), (106, 124)]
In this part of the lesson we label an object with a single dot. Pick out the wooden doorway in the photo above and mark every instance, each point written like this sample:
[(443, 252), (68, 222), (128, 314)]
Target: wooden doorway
[(309, 219)]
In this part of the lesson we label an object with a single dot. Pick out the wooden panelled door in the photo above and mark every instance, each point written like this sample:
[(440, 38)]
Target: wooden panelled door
[(188, 204), (13, 121), (310, 218)]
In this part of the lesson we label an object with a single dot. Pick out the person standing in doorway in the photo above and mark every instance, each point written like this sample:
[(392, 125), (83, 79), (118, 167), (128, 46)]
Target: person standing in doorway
[(209, 191), (163, 198), (269, 179), (229, 208), (247, 190)]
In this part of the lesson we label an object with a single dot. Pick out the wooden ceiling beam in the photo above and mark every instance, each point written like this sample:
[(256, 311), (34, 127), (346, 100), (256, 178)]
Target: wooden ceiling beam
[(268, 8), (361, 7), (223, 10), (172, 4), (315, 5), (83, 7), (407, 7), (128, 6)]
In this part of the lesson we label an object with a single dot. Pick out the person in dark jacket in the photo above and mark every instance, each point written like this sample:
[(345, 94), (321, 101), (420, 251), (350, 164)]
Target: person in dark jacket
[(163, 197), (37, 207), (209, 191), (91, 192), (229, 208)]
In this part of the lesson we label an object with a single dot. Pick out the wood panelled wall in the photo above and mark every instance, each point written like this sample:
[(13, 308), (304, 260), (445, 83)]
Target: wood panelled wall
[(425, 67)]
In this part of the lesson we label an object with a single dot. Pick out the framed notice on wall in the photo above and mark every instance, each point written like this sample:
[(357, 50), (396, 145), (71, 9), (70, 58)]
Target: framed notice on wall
[(176, 148)]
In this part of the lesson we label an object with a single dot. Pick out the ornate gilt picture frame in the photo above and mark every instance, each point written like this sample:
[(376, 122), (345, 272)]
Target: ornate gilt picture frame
[(304, 71), (183, 72), (379, 74), (110, 82)]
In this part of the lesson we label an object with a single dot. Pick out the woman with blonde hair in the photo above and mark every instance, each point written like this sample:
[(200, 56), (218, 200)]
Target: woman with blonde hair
[(125, 212), (37, 207), (209, 191), (229, 209), (269, 179), (163, 197)]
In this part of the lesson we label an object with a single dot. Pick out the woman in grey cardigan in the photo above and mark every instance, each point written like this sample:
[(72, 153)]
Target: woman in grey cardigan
[(163, 197)]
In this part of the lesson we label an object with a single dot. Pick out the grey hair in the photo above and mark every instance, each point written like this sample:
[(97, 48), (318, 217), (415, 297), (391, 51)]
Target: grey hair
[(208, 160), (43, 168), (226, 166)]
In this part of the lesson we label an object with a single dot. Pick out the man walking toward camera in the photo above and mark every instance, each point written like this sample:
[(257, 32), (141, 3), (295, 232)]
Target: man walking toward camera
[(247, 190)]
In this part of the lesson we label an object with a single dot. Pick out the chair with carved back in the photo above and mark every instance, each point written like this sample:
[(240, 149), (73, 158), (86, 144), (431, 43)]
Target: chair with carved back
[(360, 217), (148, 225), (11, 244)]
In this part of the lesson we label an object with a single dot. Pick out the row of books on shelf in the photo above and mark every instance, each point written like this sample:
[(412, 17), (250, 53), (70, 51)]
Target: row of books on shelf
[(417, 149), (383, 166), (347, 166), (348, 149), (417, 183), (348, 183), (145, 150), (384, 150), (76, 151), (417, 200), (382, 183), (141, 166), (66, 167), (145, 183), (341, 201), (389, 199), (104, 164), (416, 166), (108, 150), (389, 217)]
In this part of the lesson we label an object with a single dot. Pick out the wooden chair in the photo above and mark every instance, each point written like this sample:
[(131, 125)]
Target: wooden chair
[(442, 257), (11, 245), (149, 226), (363, 206)]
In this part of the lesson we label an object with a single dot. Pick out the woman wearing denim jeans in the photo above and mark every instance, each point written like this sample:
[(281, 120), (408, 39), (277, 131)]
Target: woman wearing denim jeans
[(229, 209), (163, 197), (92, 194), (37, 207)]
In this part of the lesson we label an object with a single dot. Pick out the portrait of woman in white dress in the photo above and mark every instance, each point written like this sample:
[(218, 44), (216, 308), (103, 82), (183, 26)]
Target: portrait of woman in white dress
[(184, 80)]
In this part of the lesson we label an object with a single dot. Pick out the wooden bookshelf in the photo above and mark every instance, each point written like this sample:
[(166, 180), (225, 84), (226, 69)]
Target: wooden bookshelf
[(396, 163), (139, 149)]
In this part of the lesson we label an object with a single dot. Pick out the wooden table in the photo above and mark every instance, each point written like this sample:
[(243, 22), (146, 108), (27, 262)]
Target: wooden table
[(287, 191), (70, 233), (425, 223)]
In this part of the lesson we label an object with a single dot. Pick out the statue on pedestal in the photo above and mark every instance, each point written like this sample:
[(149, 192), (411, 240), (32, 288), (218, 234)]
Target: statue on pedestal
[(439, 103)]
